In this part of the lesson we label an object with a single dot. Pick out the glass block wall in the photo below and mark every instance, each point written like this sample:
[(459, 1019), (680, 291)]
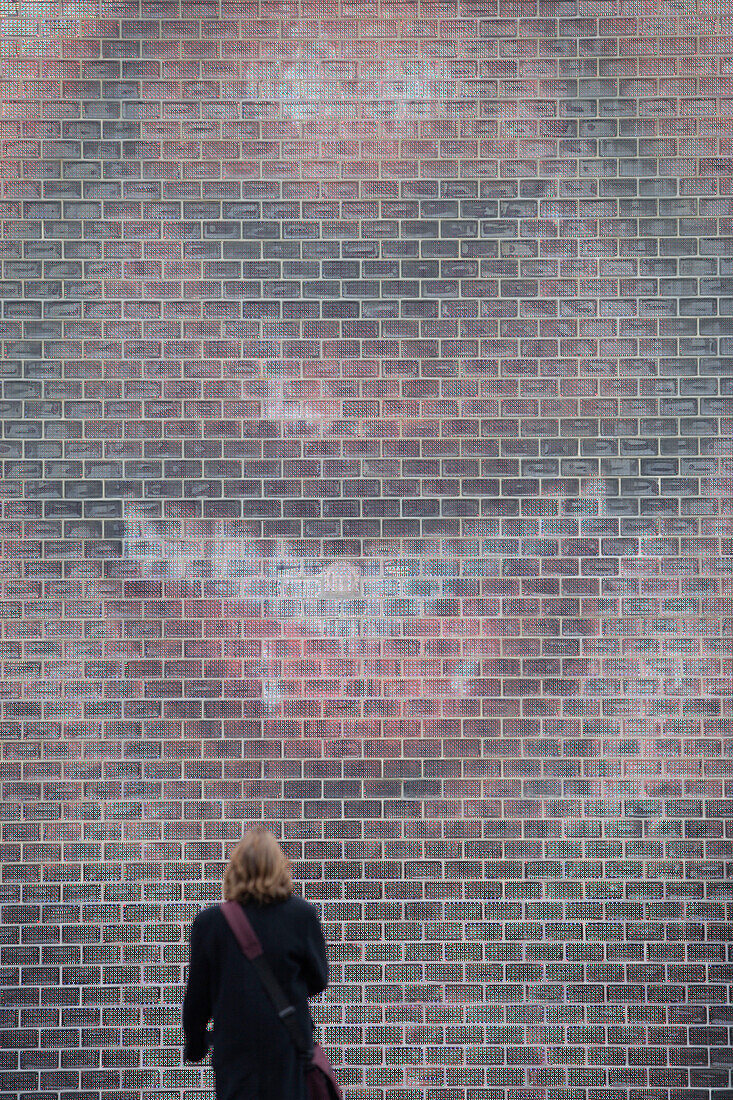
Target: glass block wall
[(366, 447)]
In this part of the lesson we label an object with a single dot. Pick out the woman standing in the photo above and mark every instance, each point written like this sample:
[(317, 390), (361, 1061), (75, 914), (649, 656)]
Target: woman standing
[(253, 1055)]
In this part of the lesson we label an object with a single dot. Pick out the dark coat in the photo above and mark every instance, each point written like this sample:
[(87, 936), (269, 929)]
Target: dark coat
[(252, 1054)]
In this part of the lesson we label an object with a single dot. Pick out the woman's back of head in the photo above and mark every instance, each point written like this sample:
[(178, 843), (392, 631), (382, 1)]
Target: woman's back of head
[(258, 869)]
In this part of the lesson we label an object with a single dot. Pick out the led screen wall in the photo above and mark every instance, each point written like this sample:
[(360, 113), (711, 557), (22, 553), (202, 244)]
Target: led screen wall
[(366, 446)]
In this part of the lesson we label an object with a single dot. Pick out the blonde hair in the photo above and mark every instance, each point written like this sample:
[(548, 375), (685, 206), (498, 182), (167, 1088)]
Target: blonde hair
[(258, 869)]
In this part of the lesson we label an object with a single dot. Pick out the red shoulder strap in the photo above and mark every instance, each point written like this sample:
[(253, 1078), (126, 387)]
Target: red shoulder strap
[(244, 932)]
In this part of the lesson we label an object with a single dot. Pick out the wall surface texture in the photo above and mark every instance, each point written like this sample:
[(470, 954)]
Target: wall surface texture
[(366, 471)]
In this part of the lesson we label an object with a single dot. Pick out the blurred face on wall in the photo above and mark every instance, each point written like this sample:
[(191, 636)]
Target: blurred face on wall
[(345, 380), (359, 285)]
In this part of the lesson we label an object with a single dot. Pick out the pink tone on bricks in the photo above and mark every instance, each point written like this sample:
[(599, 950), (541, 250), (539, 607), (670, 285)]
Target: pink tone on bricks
[(366, 471)]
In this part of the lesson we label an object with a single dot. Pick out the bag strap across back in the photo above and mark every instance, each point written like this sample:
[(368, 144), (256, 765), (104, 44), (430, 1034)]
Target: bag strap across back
[(251, 947)]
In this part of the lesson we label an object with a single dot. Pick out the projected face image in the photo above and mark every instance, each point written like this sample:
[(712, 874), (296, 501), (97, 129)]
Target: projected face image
[(391, 479)]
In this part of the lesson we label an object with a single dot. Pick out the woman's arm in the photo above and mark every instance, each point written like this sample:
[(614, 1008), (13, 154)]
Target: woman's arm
[(315, 959), (197, 999)]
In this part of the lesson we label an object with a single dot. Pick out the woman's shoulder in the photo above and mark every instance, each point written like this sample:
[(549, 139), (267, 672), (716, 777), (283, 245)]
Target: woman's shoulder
[(293, 910), (300, 906), (208, 918), (294, 904)]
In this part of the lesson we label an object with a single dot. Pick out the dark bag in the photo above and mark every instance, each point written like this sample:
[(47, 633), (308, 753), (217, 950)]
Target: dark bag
[(320, 1079)]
